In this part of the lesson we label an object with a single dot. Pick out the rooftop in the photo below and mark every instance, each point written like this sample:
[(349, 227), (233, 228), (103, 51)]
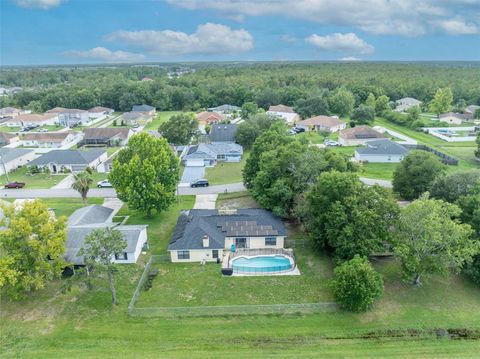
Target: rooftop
[(382, 147), (106, 132), (9, 154), (68, 157), (223, 133), (142, 108), (65, 110), (209, 116), (92, 214), (98, 109), (47, 136), (281, 108), (321, 120), (359, 132)]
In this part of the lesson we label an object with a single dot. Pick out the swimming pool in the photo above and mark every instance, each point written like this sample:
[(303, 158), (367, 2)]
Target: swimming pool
[(262, 264)]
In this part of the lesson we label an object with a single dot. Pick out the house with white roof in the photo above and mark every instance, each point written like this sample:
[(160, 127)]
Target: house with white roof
[(322, 123), (287, 113), (406, 103)]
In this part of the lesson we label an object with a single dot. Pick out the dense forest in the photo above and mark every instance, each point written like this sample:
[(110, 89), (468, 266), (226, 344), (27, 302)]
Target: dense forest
[(214, 84)]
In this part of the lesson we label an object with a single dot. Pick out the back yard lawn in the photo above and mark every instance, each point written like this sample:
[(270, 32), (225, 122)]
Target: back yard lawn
[(236, 200), (160, 118), (226, 172), (378, 170), (66, 206), (38, 180)]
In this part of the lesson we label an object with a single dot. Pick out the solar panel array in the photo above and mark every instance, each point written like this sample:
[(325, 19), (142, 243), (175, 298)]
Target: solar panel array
[(247, 228)]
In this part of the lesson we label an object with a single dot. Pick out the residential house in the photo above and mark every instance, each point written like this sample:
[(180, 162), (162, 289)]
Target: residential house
[(133, 119), (381, 151), (12, 112), (453, 118), (208, 154), (48, 139), (406, 103), (12, 158), (7, 138), (209, 118), (285, 112), (358, 135), (145, 109), (223, 133), (205, 234), (85, 220), (471, 111), (225, 109), (322, 123), (71, 117), (33, 119), (107, 165), (108, 136), (99, 112), (70, 160)]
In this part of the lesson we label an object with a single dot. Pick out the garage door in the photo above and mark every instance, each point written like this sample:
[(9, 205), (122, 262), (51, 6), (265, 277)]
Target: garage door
[(195, 163)]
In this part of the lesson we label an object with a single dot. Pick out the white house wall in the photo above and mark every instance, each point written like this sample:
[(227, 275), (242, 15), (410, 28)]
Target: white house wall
[(17, 162), (196, 255), (378, 158)]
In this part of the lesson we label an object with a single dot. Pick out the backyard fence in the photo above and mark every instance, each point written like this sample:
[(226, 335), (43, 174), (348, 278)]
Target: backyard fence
[(448, 160), (296, 243)]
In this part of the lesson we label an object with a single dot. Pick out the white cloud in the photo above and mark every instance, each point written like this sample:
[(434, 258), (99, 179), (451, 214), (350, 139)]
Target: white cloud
[(349, 59), (103, 54), (42, 4), (401, 17), (337, 42), (457, 27), (208, 39)]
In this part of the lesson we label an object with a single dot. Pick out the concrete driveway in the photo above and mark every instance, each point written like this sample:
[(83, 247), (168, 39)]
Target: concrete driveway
[(190, 174), (205, 201)]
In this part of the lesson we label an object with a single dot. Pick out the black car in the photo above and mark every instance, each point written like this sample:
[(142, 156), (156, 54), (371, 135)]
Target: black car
[(199, 183), (299, 129)]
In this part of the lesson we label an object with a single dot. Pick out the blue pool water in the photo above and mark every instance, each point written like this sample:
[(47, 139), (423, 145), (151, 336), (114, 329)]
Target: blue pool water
[(261, 264)]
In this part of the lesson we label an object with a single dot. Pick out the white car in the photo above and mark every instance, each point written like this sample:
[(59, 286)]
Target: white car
[(42, 130), (104, 184), (331, 143)]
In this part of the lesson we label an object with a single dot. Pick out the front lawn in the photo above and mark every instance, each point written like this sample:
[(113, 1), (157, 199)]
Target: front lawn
[(66, 206), (9, 129), (160, 118), (378, 170), (236, 200), (38, 180), (226, 172)]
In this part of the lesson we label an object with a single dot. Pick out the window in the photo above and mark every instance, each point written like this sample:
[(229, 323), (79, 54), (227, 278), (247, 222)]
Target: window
[(220, 157), (183, 255), (215, 253), (241, 242), (121, 256), (270, 241)]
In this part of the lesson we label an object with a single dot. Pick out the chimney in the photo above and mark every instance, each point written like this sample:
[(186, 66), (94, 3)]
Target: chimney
[(206, 241)]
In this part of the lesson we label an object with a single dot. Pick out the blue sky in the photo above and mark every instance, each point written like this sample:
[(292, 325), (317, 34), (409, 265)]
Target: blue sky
[(99, 31)]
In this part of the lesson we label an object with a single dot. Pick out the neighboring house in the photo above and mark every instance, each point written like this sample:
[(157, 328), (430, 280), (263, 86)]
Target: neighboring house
[(224, 109), (7, 138), (12, 158), (223, 133), (108, 136), (106, 166), (406, 103), (99, 112), (358, 135), (70, 160), (322, 123), (205, 234), (208, 154), (146, 79), (12, 112), (133, 119), (32, 119), (453, 118), (145, 109), (285, 112), (209, 118), (71, 117), (48, 139), (84, 220), (381, 151), (470, 111)]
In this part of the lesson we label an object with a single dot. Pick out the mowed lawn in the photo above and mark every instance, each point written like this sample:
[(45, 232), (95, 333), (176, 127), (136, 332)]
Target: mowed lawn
[(160, 118), (66, 206), (236, 200), (38, 180), (226, 172)]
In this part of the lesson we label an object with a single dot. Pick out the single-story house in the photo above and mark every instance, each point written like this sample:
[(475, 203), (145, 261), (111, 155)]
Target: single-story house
[(12, 158), (285, 112), (208, 154), (70, 160), (145, 109), (223, 133), (106, 166), (71, 117), (209, 118), (322, 123), (85, 220), (108, 136), (224, 109), (7, 138), (12, 112), (406, 103), (32, 119), (99, 112), (133, 119), (204, 234), (358, 135), (453, 118), (48, 139), (381, 151), (470, 111)]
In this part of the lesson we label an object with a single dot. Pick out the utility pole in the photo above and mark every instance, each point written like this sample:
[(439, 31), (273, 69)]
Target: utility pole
[(4, 168)]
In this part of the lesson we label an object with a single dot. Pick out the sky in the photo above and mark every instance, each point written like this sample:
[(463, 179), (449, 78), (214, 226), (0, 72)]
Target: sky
[(38, 32)]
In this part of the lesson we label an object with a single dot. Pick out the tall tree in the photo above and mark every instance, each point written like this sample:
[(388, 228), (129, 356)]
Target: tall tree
[(99, 250), (442, 101), (363, 114), (430, 239), (248, 109), (312, 106), (341, 102), (145, 174), (452, 186), (416, 173), (370, 101), (32, 246), (381, 104), (254, 126), (179, 129), (82, 182)]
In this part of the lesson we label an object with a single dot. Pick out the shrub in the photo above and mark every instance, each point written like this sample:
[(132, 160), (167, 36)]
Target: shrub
[(356, 285)]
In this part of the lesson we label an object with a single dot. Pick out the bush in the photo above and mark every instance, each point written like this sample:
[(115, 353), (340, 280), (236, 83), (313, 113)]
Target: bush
[(356, 285)]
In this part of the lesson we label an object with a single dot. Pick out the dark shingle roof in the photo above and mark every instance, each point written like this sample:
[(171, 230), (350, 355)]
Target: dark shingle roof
[(193, 225), (382, 147), (9, 154), (106, 133), (68, 157), (142, 108), (223, 133), (90, 215)]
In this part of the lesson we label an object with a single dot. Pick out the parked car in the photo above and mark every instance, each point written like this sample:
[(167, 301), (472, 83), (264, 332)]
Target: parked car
[(299, 130), (42, 130), (292, 132), (15, 185), (331, 143), (104, 184), (202, 182)]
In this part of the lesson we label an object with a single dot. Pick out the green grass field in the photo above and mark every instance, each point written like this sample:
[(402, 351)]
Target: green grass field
[(38, 180), (224, 172), (161, 117), (236, 200), (66, 206), (378, 170)]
